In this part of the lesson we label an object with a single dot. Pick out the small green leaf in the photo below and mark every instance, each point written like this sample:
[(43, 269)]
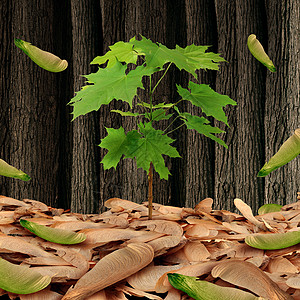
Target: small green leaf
[(259, 53), (55, 235), (108, 84), (115, 142), (149, 147), (120, 51), (204, 290), (10, 171), (273, 241), (207, 99), (20, 279), (200, 124), (268, 208), (289, 150), (45, 60), (126, 113)]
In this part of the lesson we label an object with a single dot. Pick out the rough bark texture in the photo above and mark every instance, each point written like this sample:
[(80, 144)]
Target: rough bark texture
[(282, 115), (5, 56), (200, 153), (236, 168), (86, 35), (63, 159), (226, 83), (33, 110)]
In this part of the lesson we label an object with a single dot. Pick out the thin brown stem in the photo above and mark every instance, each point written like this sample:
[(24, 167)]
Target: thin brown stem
[(150, 191)]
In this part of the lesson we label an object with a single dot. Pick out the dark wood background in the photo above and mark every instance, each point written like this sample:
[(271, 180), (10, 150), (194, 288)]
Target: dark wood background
[(62, 157)]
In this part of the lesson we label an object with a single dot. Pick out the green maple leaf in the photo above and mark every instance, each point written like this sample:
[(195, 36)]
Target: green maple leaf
[(108, 84), (207, 99), (115, 142), (149, 147), (200, 124), (190, 58), (120, 51)]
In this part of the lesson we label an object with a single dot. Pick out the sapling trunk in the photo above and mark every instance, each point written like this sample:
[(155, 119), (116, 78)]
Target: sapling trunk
[(150, 191)]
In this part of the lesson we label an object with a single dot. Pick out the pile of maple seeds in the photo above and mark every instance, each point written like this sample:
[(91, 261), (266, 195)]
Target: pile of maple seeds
[(126, 254)]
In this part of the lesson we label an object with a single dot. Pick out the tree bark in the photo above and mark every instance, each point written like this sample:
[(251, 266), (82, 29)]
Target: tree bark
[(86, 35), (282, 115), (5, 58), (243, 80), (112, 15), (63, 158), (33, 107), (198, 160)]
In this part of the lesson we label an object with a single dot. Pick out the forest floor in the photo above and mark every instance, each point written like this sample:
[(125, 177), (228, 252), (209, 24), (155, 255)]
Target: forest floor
[(127, 255)]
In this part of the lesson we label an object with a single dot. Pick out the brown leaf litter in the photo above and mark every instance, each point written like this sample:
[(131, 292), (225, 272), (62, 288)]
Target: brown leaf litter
[(125, 254)]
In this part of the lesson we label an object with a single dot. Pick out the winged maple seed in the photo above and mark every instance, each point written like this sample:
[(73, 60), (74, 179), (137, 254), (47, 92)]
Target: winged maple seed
[(124, 253)]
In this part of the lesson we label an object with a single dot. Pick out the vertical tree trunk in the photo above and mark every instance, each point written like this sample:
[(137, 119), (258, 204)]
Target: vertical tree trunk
[(251, 18), (236, 168), (5, 58), (282, 96), (33, 109), (112, 31), (226, 83), (150, 19), (199, 158), (121, 21), (86, 35), (64, 82)]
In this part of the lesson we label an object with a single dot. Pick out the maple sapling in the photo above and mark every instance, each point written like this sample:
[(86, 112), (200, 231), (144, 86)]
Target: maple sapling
[(116, 79)]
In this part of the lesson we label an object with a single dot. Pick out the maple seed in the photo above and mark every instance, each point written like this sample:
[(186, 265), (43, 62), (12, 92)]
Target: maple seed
[(44, 59), (259, 53), (10, 171)]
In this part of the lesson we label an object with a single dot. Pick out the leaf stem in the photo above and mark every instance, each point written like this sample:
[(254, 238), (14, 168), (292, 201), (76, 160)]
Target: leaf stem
[(150, 191), (150, 96), (142, 103), (175, 128), (171, 123), (160, 79)]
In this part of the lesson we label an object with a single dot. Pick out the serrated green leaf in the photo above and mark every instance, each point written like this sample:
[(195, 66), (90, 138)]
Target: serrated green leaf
[(268, 208), (115, 142), (190, 58), (20, 279), (126, 113), (289, 150), (200, 124), (259, 53), (204, 290), (108, 84), (10, 171), (120, 51), (55, 235), (211, 102), (44, 59), (149, 147), (273, 241)]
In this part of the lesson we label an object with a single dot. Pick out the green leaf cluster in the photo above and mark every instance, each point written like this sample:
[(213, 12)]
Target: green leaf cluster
[(120, 75), (145, 146)]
